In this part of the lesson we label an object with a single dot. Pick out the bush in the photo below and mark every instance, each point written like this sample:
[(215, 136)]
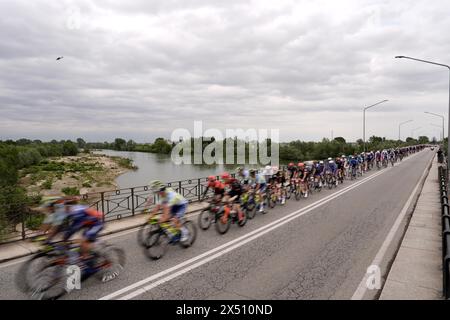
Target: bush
[(34, 221), (47, 184), (87, 184), (71, 191)]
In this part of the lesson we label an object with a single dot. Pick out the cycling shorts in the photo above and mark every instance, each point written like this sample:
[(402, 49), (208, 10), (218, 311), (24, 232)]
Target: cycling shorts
[(178, 211)]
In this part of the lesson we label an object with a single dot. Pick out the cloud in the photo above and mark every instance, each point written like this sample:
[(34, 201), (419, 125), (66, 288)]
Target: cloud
[(142, 69)]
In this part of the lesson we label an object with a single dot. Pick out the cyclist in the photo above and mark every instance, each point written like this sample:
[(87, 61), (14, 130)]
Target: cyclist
[(281, 185), (234, 192), (378, 158), (353, 166), (58, 213), (217, 186), (303, 179), (83, 217), (260, 185), (318, 174), (242, 175), (173, 206), (340, 168)]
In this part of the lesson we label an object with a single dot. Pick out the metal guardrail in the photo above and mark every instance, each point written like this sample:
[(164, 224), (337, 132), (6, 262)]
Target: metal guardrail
[(443, 186), (120, 203), (114, 204)]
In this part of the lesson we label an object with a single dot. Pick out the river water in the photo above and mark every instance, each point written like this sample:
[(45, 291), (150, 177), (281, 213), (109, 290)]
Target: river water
[(160, 167)]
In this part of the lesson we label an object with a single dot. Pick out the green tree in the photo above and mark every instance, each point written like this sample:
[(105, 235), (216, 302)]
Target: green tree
[(120, 144), (81, 143), (161, 146), (69, 148), (423, 140), (340, 140), (131, 145)]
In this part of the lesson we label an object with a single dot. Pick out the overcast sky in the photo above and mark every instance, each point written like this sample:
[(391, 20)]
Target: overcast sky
[(140, 69)]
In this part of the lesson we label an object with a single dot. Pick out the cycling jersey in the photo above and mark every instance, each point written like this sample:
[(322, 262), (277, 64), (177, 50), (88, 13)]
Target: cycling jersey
[(84, 217), (319, 169), (172, 198), (218, 187)]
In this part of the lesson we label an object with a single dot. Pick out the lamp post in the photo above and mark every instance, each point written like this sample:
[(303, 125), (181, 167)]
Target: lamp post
[(443, 122), (448, 120), (399, 128), (364, 120)]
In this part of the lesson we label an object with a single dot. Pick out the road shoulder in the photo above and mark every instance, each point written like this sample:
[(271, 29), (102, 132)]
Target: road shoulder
[(416, 273)]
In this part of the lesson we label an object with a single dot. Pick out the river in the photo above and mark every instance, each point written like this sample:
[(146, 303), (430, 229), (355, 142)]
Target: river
[(160, 167)]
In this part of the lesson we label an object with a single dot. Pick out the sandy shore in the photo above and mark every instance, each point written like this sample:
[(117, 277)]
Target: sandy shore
[(99, 178)]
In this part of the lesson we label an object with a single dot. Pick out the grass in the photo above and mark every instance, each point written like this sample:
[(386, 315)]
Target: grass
[(125, 163), (70, 191), (47, 184)]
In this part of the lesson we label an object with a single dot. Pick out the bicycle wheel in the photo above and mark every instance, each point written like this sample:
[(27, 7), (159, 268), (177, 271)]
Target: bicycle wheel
[(205, 219), (27, 272), (192, 234), (222, 227), (250, 210), (243, 221), (158, 242), (298, 194), (272, 200), (111, 261), (143, 233), (49, 283)]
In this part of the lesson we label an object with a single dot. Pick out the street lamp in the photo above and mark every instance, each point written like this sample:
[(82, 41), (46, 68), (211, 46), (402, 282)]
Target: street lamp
[(448, 120), (399, 127), (364, 120), (443, 123), (412, 131)]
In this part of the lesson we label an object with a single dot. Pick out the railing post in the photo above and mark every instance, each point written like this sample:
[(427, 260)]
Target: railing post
[(179, 188), (199, 190), (132, 201), (103, 205)]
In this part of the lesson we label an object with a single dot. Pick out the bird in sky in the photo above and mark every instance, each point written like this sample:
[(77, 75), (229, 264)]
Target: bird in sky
[(59, 58)]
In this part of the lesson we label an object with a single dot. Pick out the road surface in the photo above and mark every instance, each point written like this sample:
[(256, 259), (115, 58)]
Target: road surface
[(315, 248)]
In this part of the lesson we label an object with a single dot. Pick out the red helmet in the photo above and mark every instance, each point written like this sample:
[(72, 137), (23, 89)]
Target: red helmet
[(301, 164), (225, 176), (211, 179), (291, 164)]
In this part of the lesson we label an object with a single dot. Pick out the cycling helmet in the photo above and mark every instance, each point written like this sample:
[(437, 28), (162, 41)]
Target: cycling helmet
[(291, 164), (225, 176), (329, 159), (321, 162), (211, 179), (301, 165), (49, 202), (157, 186), (252, 171)]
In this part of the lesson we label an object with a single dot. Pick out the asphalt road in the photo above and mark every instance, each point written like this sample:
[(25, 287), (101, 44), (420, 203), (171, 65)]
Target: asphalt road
[(316, 248)]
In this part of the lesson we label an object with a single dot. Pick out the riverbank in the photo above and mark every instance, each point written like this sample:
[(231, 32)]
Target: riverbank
[(84, 173)]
